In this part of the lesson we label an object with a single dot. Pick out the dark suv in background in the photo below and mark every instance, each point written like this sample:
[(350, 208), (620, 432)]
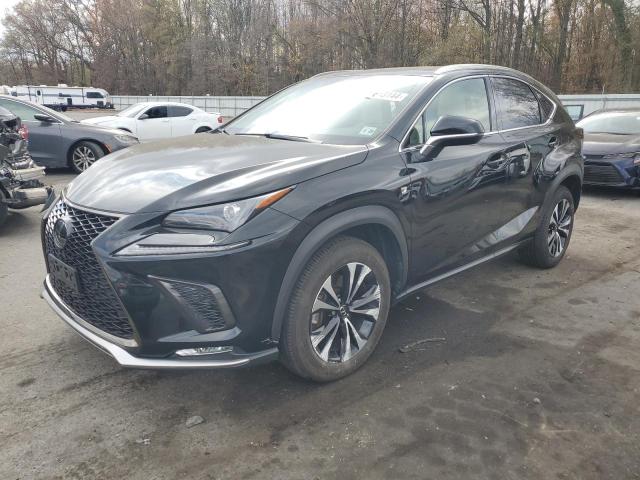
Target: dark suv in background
[(293, 229)]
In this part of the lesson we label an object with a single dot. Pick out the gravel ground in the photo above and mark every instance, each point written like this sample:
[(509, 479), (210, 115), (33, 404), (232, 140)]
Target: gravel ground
[(538, 378)]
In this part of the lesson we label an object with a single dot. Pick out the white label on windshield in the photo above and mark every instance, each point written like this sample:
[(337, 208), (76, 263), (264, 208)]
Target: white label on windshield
[(368, 131), (390, 96)]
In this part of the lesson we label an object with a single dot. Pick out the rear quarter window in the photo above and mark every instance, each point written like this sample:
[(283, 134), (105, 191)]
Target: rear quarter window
[(546, 106)]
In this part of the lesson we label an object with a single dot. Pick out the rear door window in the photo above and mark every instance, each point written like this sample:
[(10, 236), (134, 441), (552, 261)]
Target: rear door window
[(178, 111), (517, 105)]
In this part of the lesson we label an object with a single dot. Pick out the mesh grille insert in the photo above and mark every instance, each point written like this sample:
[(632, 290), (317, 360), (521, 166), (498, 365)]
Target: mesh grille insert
[(96, 303), (607, 174), (202, 302)]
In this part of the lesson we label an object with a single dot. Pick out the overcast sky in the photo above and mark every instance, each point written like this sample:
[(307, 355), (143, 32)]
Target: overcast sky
[(4, 5)]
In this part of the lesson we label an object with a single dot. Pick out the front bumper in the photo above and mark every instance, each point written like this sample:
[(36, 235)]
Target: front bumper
[(619, 173), (124, 358)]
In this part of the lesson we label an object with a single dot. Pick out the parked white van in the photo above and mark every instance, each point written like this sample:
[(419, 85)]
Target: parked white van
[(62, 97)]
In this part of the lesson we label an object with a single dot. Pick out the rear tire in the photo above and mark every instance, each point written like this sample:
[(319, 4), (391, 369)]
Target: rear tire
[(337, 311), (83, 155), (551, 238)]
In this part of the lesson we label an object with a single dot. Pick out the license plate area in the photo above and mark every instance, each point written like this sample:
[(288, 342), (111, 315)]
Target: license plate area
[(63, 273)]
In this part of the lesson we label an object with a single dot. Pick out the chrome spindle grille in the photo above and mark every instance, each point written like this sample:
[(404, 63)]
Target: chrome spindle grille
[(96, 302)]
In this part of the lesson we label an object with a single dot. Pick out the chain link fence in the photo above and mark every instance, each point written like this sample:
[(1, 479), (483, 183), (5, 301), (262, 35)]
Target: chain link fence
[(226, 106), (231, 106)]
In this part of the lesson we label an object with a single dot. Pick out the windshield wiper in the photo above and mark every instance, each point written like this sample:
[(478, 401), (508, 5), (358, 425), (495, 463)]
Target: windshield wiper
[(281, 136)]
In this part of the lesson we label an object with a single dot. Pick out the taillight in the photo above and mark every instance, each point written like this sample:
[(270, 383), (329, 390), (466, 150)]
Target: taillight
[(24, 132), (220, 119)]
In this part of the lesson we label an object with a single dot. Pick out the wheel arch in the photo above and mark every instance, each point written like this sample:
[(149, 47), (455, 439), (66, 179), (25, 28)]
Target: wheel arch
[(376, 225), (75, 143), (573, 182), (202, 125)]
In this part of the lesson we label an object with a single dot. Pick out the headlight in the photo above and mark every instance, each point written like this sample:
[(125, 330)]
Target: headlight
[(226, 217), (217, 218), (175, 244), (128, 139)]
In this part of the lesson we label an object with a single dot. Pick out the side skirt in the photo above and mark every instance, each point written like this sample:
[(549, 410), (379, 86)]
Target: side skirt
[(457, 270)]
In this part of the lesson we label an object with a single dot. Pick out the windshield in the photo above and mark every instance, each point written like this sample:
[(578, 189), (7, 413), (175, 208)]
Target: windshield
[(349, 109), (132, 111), (622, 123)]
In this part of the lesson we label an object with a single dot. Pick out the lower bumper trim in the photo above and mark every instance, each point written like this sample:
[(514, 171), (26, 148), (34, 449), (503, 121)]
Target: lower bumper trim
[(125, 359)]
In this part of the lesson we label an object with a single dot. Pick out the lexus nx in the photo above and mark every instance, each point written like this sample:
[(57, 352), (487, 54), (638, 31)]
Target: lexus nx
[(292, 230)]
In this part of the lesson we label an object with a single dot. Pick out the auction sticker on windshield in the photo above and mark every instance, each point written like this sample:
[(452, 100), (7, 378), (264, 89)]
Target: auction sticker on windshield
[(390, 96)]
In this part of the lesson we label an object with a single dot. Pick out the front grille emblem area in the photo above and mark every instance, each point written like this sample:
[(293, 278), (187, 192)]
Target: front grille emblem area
[(94, 300), (62, 230)]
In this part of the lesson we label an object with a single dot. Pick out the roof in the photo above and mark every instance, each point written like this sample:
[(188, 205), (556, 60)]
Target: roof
[(428, 71), (178, 104)]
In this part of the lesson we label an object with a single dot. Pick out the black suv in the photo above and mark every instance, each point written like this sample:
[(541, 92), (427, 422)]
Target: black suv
[(292, 230)]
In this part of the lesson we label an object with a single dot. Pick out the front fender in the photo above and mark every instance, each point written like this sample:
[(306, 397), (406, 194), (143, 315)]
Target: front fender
[(319, 235)]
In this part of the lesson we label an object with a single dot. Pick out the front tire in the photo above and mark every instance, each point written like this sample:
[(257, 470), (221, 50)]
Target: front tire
[(203, 129), (83, 155), (337, 311), (551, 239)]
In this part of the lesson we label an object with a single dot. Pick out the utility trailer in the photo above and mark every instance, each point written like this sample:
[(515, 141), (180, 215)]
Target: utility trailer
[(62, 97)]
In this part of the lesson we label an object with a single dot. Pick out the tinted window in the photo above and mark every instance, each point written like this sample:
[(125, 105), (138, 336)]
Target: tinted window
[(417, 133), (25, 112), (94, 95), (157, 112), (466, 98), (175, 111), (517, 105), (546, 106)]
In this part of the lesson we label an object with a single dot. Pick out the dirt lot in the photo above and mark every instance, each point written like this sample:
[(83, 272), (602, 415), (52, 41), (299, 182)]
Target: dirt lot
[(539, 378)]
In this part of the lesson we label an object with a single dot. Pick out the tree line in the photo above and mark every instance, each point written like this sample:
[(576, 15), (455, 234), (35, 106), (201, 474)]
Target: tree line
[(255, 47)]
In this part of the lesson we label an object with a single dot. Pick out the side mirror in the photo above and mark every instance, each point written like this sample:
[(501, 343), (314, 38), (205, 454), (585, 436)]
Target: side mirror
[(44, 118), (144, 116), (452, 130)]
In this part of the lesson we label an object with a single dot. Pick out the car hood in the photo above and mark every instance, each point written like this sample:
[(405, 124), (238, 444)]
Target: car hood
[(607, 143), (203, 169), (99, 129), (99, 120)]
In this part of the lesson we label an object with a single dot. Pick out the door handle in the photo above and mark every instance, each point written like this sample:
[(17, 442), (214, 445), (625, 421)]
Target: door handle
[(553, 142)]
